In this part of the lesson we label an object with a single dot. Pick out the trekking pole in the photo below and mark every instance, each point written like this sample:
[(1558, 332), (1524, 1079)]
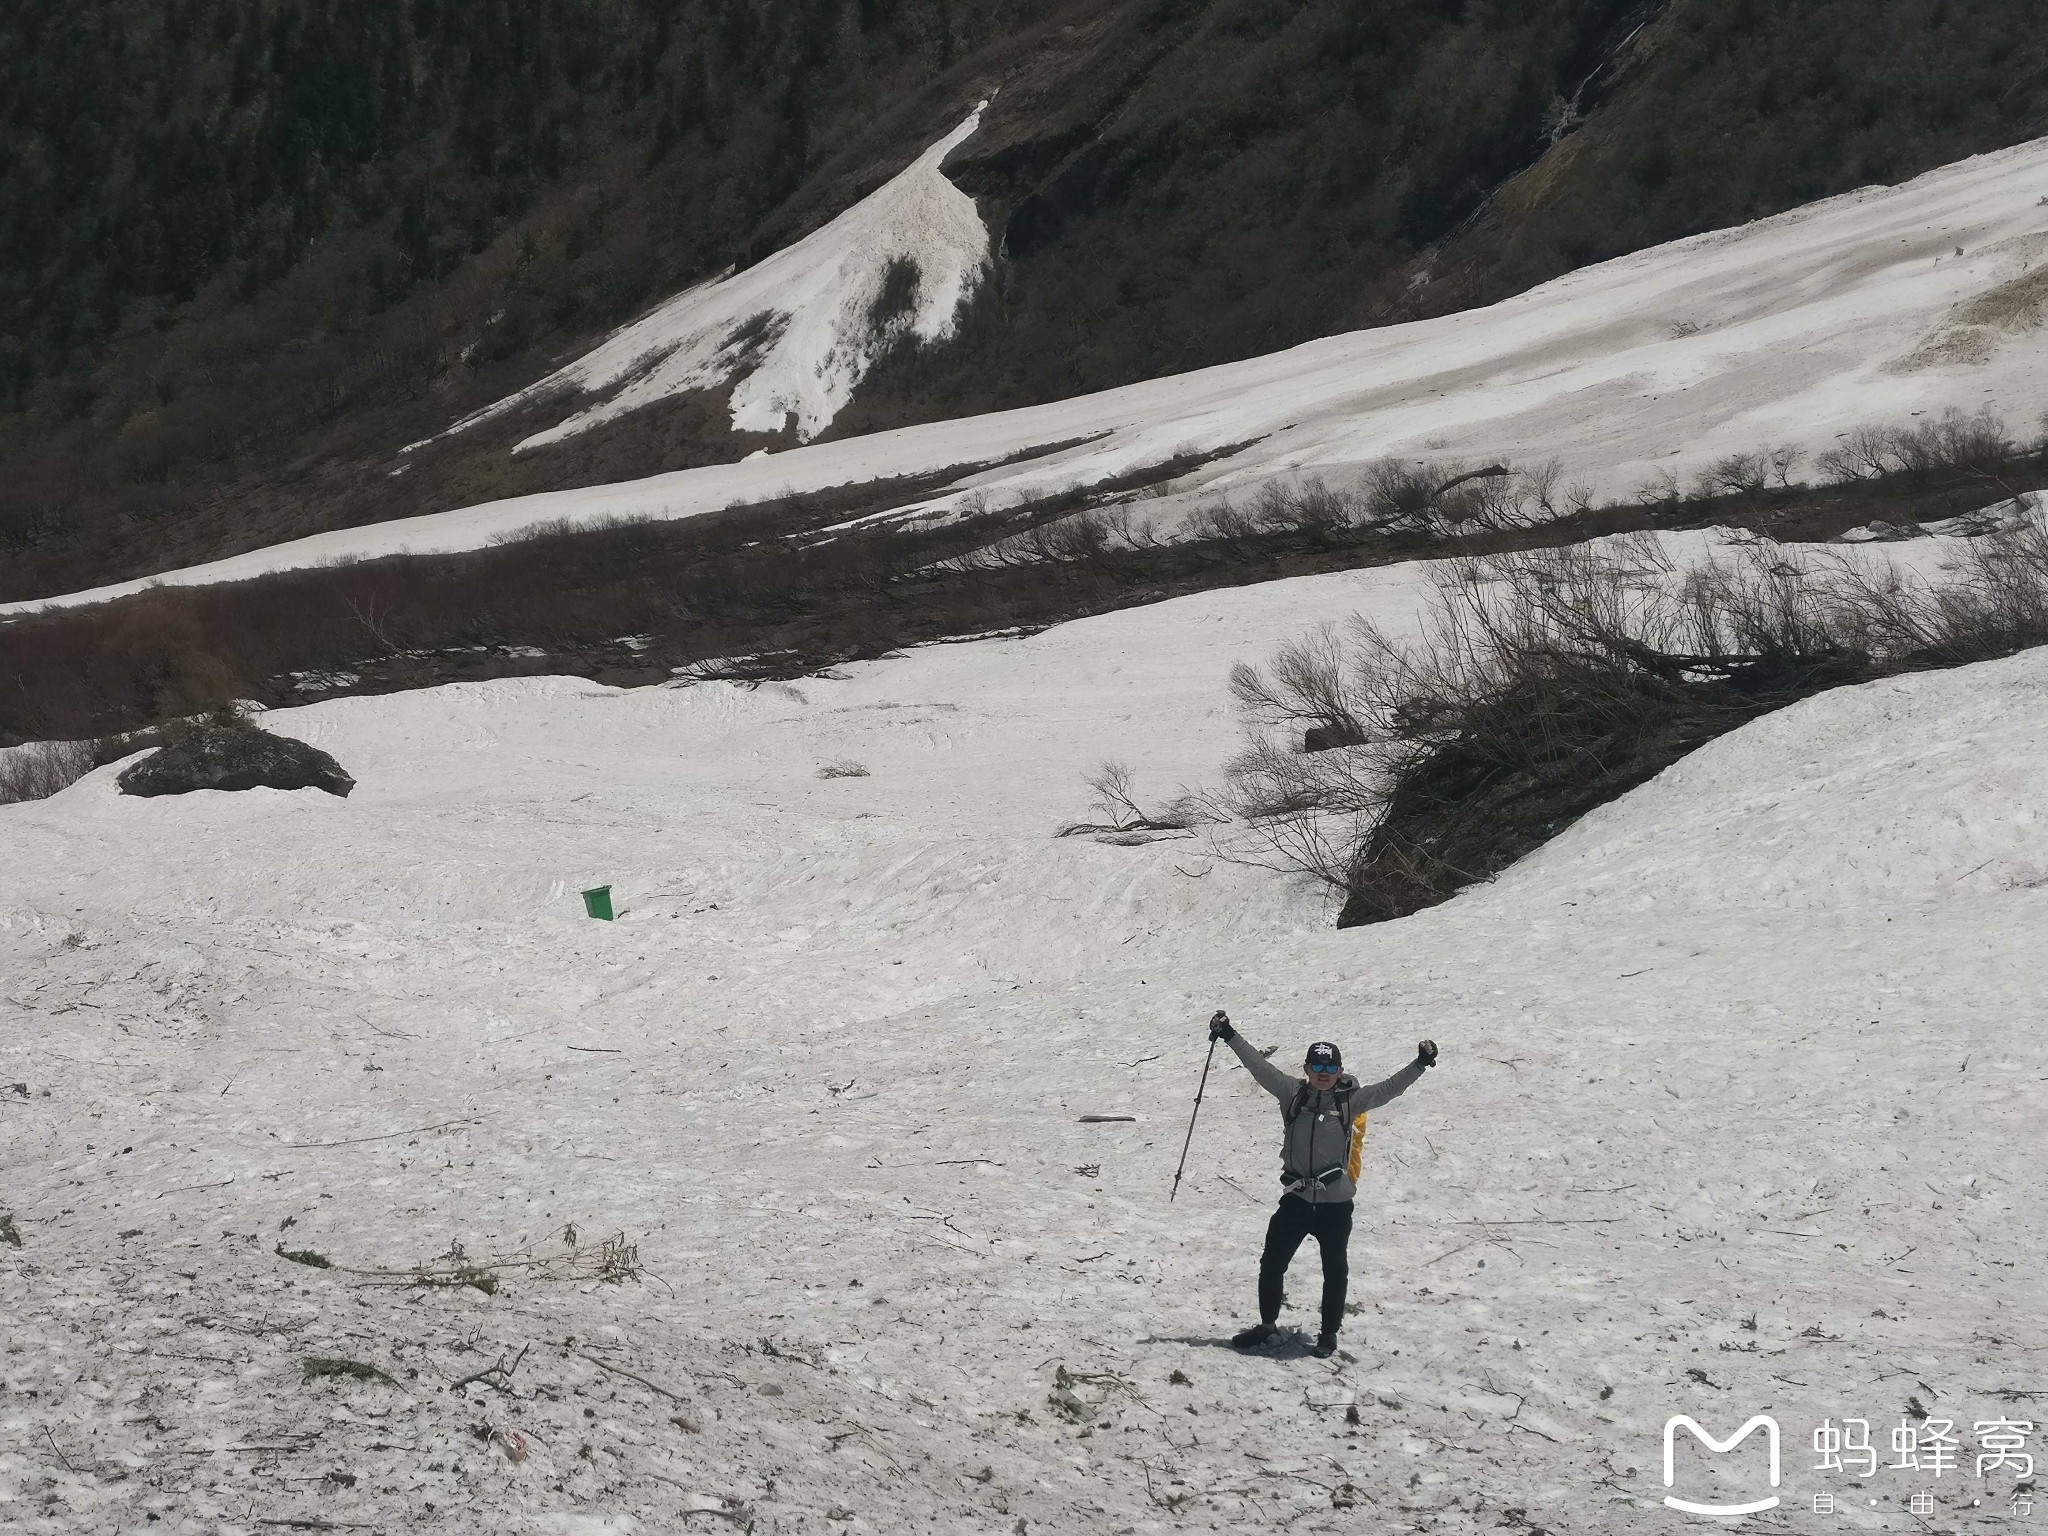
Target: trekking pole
[(1191, 1120)]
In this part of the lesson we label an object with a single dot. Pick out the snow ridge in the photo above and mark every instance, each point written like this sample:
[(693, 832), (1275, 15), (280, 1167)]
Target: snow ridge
[(798, 329)]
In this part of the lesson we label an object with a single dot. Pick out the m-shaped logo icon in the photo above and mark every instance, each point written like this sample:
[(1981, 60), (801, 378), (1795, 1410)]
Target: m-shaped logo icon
[(1762, 1421)]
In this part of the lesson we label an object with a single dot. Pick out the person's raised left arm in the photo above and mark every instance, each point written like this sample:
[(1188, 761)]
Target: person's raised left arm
[(1373, 1095)]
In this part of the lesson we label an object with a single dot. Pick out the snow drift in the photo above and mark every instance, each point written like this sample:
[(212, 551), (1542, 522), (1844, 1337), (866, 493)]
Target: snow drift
[(798, 329)]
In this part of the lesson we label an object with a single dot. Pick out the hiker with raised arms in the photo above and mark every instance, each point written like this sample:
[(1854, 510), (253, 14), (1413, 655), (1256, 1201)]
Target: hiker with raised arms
[(1322, 1118)]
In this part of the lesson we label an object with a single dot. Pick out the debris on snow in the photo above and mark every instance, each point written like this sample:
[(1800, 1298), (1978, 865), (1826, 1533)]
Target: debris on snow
[(322, 1368)]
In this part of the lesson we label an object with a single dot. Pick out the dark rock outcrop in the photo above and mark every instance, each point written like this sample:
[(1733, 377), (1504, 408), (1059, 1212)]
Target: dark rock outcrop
[(218, 756), (1323, 738)]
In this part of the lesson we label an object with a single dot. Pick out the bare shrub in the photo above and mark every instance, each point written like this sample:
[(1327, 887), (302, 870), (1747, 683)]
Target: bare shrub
[(1302, 687), (1413, 497), (1738, 474), (1222, 521), (844, 768), (1977, 444), (1500, 496), (1548, 681), (1307, 507), (1401, 493), (1543, 682), (1662, 489), (1865, 452), (1299, 813), (38, 769), (1992, 602), (1116, 801), (1114, 796), (1125, 528), (1087, 537)]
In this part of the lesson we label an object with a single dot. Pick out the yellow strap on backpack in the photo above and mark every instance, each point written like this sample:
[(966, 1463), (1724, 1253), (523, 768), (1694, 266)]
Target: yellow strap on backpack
[(1357, 1144)]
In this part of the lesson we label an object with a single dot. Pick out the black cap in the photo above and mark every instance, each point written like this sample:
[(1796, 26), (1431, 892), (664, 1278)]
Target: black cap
[(1325, 1056)]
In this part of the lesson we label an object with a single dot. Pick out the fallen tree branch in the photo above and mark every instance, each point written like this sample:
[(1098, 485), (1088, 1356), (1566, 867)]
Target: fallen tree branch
[(60, 1451), (618, 1371), (356, 1141), (499, 1369)]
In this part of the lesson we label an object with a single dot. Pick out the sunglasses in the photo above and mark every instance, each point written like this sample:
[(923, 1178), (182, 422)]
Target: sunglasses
[(1321, 1071)]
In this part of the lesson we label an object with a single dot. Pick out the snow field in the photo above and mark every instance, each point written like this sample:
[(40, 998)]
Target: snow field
[(1876, 306), (1748, 1044), (795, 329)]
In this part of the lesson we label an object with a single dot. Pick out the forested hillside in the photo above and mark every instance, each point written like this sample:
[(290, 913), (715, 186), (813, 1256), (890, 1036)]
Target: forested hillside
[(250, 248)]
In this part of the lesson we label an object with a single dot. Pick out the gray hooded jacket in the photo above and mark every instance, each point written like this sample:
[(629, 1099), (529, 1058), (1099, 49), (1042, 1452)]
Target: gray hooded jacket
[(1317, 1140)]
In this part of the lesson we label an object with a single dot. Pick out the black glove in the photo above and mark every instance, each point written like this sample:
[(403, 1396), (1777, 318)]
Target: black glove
[(1426, 1053), (1219, 1026)]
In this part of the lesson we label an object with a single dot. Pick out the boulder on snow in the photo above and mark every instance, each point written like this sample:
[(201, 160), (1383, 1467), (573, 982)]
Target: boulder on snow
[(239, 756)]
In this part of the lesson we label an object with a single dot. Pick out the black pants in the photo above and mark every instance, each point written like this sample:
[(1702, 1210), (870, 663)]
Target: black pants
[(1330, 1225)]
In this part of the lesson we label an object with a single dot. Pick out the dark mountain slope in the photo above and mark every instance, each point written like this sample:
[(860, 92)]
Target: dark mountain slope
[(1287, 172), (1735, 110), (248, 248)]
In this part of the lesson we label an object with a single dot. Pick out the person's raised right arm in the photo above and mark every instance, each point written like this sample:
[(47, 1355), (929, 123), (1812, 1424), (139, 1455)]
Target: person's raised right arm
[(1271, 1078)]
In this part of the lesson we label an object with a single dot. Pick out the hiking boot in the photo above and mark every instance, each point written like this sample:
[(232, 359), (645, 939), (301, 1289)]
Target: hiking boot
[(1253, 1337), (1326, 1344)]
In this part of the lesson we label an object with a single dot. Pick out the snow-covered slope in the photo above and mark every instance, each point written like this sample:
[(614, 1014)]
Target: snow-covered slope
[(1875, 306), (1738, 1113), (798, 329)]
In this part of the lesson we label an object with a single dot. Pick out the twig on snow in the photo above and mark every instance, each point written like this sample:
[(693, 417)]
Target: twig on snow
[(1519, 1397), (59, 1450), (498, 1369), (617, 1371), (187, 1189), (704, 1503), (356, 1141), (1172, 1502), (1453, 1252), (214, 1450)]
